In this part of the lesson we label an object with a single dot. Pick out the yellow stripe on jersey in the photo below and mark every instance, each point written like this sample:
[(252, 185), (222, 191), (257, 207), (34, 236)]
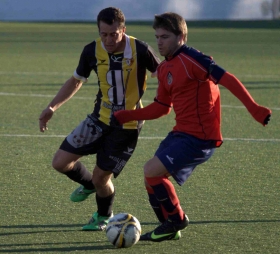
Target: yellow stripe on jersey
[(103, 65), (118, 81)]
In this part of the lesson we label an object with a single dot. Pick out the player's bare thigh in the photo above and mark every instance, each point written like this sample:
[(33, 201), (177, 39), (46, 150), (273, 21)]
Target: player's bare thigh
[(64, 161), (154, 168)]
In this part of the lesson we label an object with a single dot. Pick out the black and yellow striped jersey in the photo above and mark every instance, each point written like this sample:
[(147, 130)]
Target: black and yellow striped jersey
[(121, 76)]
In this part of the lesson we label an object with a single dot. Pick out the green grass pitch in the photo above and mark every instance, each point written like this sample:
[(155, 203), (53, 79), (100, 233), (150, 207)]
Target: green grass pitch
[(232, 200)]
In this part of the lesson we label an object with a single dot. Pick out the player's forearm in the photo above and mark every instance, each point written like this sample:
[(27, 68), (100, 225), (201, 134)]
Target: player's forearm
[(70, 87), (152, 111), (260, 113), (238, 90)]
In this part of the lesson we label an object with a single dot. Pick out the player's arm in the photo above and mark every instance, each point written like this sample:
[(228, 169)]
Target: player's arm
[(70, 87), (210, 70), (260, 113), (152, 111), (161, 106), (152, 61)]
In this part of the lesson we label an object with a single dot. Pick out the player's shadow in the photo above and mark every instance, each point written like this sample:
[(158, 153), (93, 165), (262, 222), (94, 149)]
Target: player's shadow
[(220, 222), (49, 246), (21, 248), (45, 227), (42, 226)]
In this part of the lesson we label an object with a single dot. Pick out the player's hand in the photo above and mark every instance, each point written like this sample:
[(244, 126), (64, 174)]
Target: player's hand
[(114, 121), (261, 114), (267, 119), (45, 116), (121, 116)]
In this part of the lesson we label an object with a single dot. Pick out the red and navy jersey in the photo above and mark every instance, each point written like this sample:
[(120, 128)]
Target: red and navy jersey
[(188, 82)]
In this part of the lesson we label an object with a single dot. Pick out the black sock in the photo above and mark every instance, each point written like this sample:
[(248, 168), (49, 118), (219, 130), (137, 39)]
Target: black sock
[(81, 175), (105, 205), (156, 207)]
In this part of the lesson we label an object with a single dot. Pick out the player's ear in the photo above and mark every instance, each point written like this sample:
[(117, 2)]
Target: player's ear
[(181, 37)]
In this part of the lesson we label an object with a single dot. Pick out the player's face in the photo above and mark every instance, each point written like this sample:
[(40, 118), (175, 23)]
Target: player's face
[(112, 36), (167, 42)]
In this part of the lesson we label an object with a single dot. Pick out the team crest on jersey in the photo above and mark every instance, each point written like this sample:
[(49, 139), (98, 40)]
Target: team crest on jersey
[(169, 78), (128, 61)]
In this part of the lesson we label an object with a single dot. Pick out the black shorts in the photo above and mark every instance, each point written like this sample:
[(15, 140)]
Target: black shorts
[(113, 147)]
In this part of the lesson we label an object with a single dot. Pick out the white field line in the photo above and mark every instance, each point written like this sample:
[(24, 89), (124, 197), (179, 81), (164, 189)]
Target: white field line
[(90, 98), (28, 73), (54, 73), (145, 138)]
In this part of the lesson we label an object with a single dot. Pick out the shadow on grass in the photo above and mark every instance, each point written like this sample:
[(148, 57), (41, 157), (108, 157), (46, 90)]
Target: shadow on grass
[(59, 226), (43, 229), (36, 232), (57, 249), (43, 226), (220, 222), (96, 245), (49, 246)]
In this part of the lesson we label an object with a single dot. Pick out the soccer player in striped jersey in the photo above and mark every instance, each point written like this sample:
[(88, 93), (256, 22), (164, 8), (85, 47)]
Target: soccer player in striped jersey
[(187, 81), (120, 62)]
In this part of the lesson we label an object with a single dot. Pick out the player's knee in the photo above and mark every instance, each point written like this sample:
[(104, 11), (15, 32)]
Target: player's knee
[(101, 178), (148, 169), (58, 165), (97, 181), (154, 168)]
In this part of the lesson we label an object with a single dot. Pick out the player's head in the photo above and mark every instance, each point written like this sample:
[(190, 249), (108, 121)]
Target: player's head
[(170, 31), (111, 26)]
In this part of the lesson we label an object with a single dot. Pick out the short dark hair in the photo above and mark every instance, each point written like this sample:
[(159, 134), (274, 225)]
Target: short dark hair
[(172, 22), (110, 15)]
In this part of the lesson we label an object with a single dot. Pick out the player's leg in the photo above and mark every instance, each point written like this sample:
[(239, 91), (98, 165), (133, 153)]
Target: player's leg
[(83, 140), (105, 194), (117, 148), (177, 155), (164, 191), (69, 164), (159, 210), (155, 204)]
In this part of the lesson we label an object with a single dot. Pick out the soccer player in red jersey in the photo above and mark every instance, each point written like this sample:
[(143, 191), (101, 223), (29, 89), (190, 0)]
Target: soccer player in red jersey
[(187, 81)]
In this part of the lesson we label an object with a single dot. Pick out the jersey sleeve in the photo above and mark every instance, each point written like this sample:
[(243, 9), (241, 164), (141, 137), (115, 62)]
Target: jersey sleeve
[(84, 68), (152, 60), (235, 86), (204, 67), (152, 111)]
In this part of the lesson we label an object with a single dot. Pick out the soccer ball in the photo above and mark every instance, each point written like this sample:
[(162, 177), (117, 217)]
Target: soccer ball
[(123, 230)]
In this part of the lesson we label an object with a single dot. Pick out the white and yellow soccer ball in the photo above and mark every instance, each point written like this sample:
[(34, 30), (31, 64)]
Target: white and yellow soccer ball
[(123, 230)]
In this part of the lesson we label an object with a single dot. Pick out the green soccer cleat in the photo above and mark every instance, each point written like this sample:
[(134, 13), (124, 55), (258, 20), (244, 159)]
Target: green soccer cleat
[(97, 223), (168, 230), (81, 194)]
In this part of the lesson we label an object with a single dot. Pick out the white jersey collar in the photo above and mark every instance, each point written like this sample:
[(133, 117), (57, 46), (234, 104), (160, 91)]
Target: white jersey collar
[(127, 50)]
